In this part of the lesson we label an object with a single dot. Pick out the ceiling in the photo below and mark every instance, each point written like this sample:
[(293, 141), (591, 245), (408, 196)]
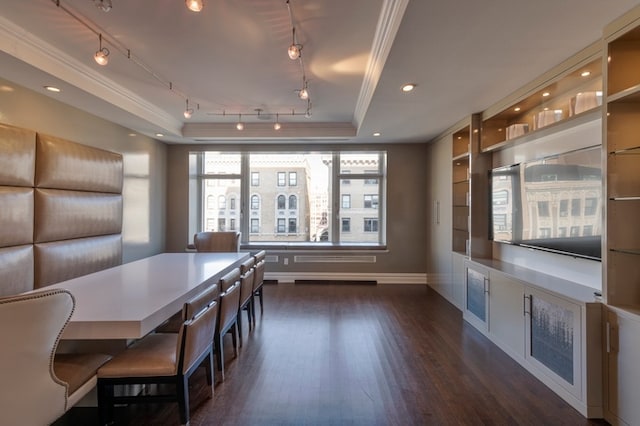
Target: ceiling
[(230, 61)]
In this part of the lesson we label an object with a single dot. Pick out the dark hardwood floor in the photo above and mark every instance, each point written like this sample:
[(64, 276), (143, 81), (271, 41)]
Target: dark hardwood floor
[(361, 355)]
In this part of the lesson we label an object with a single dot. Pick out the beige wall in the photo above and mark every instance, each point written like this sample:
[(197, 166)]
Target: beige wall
[(406, 208), (144, 159)]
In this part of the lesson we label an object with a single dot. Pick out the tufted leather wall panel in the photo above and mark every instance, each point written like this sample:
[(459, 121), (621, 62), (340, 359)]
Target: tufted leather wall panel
[(67, 165), (16, 269), (17, 156), (16, 216), (65, 198), (74, 214), (63, 260)]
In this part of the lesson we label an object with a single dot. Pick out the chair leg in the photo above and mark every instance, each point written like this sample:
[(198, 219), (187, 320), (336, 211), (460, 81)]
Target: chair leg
[(248, 309), (105, 403), (239, 322), (234, 336), (220, 355), (208, 365), (253, 308), (183, 399), (261, 307)]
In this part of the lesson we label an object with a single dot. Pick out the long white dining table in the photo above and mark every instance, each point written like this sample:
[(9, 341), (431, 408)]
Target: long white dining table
[(131, 300)]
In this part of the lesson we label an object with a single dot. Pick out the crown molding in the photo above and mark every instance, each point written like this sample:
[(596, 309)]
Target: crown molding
[(26, 47), (388, 24)]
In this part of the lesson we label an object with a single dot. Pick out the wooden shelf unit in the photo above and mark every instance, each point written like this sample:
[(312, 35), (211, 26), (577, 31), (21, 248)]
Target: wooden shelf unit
[(460, 197)]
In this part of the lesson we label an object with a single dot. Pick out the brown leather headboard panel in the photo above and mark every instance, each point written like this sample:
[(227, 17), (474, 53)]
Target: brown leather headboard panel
[(17, 156), (67, 165), (63, 260), (74, 214), (16, 269), (16, 216), (60, 210)]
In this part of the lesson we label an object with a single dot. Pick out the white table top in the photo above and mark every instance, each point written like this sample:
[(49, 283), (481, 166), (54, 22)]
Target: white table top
[(130, 300)]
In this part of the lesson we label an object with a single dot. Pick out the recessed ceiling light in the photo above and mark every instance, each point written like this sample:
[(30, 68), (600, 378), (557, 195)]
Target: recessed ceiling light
[(6, 89), (545, 94), (516, 109), (132, 134), (53, 89), (585, 73), (159, 135), (376, 134), (408, 87)]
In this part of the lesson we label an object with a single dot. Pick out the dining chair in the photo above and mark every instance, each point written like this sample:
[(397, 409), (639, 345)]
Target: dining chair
[(163, 358), (246, 293), (39, 386), (227, 315), (221, 241), (174, 323), (258, 280)]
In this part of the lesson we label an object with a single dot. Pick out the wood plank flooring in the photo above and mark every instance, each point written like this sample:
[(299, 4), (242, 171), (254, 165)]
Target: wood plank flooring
[(361, 355)]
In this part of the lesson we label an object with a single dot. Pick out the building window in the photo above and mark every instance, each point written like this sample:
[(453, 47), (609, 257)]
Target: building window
[(222, 202), (293, 178), (255, 202), (210, 202), (255, 178), (371, 201), (232, 203), (543, 208), (232, 224), (282, 178), (545, 232), (281, 225), (371, 181), (282, 200), (590, 206), (293, 226), (370, 225), (293, 202), (564, 208), (346, 224), (562, 232), (575, 207), (210, 226), (346, 201), (500, 198), (575, 231), (255, 226), (222, 224), (587, 231)]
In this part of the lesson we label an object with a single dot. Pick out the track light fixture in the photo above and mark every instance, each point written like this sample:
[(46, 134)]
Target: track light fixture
[(103, 5), (295, 48), (304, 92), (188, 112), (239, 124), (194, 5), (276, 125), (102, 54)]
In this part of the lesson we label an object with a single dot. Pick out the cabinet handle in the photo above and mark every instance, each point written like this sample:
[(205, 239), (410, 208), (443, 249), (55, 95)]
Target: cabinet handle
[(526, 308), (486, 285), (608, 337)]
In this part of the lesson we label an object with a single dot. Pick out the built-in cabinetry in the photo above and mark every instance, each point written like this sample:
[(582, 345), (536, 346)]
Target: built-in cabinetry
[(552, 327), (622, 260), (460, 194)]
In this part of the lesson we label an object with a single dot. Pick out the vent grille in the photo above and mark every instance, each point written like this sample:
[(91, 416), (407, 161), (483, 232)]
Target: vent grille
[(334, 259)]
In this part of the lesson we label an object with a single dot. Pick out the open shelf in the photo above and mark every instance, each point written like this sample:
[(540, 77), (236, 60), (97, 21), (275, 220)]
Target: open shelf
[(567, 97)]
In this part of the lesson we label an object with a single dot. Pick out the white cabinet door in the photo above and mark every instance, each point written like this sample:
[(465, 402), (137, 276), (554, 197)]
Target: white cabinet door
[(506, 316), (476, 306), (554, 339), (622, 375)]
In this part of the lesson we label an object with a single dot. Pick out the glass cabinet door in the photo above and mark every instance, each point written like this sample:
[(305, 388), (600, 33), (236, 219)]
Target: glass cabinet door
[(476, 300)]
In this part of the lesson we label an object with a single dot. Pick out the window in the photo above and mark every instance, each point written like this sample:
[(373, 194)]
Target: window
[(370, 225), (575, 231), (222, 202), (543, 208), (564, 208), (222, 224), (371, 201), (562, 232), (590, 206), (305, 216), (575, 207), (500, 198), (545, 233), (587, 231)]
